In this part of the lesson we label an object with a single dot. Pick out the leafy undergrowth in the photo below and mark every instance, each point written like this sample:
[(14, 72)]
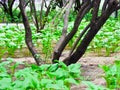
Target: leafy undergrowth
[(45, 77), (112, 77), (53, 76), (12, 38), (107, 38)]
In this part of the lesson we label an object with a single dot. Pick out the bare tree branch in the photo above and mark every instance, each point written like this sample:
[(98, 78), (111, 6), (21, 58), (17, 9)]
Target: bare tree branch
[(79, 38), (35, 15), (66, 17), (42, 22)]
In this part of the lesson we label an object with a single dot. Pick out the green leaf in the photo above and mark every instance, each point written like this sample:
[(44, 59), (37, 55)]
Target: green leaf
[(112, 75), (62, 65), (19, 85), (61, 73), (34, 67), (72, 81), (92, 86), (5, 83), (4, 74), (44, 67), (46, 81), (74, 68), (54, 86), (53, 67)]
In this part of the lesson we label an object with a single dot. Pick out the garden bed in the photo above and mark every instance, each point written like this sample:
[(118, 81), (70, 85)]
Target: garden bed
[(90, 69)]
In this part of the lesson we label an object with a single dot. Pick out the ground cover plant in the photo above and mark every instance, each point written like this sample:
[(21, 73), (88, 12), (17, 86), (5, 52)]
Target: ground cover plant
[(112, 75), (107, 40), (32, 77), (11, 38), (52, 76)]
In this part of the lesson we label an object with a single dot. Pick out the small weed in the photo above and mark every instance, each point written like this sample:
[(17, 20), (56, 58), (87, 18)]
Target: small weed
[(112, 75)]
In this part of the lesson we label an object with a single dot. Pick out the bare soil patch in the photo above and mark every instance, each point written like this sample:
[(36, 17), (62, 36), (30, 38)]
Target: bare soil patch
[(91, 71)]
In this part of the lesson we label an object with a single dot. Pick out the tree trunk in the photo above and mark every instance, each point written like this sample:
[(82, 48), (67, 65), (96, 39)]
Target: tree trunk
[(65, 40), (96, 24), (28, 35)]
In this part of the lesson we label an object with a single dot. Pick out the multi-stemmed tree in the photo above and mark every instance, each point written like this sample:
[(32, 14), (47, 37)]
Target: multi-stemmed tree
[(82, 7), (9, 8)]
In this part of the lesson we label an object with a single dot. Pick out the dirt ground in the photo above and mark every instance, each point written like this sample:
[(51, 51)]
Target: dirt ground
[(91, 71), (89, 67)]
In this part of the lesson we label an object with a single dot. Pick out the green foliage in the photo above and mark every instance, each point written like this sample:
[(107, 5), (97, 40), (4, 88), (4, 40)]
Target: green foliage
[(46, 41), (107, 38), (92, 86), (5, 17), (1, 15), (112, 78), (88, 16), (45, 77), (112, 75), (11, 38)]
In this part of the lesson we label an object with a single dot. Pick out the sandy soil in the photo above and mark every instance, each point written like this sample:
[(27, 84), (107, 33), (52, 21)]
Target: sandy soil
[(91, 71)]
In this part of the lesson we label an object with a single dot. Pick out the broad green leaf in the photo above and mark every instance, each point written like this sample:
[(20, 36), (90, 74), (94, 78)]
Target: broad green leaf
[(54, 86), (92, 86), (4, 74), (74, 68), (63, 65), (60, 74), (72, 81), (5, 83), (53, 67), (44, 67), (44, 82), (19, 85)]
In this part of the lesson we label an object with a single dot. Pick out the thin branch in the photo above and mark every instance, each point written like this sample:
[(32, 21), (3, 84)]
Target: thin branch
[(66, 17), (26, 3), (45, 4), (104, 5), (4, 6), (60, 47), (35, 15), (79, 38), (93, 30), (96, 5), (41, 10), (46, 15), (59, 14)]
